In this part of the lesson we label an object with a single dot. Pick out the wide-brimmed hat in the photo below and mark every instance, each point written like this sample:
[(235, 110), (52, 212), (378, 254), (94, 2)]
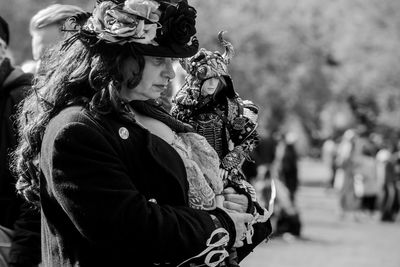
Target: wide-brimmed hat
[(151, 27)]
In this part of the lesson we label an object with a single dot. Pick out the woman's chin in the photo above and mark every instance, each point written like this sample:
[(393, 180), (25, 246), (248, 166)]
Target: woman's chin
[(156, 96)]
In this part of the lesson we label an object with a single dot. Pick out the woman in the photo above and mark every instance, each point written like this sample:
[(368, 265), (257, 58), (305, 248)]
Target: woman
[(211, 183), (111, 193)]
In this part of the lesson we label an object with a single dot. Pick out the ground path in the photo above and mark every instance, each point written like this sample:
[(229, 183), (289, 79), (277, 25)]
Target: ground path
[(329, 241)]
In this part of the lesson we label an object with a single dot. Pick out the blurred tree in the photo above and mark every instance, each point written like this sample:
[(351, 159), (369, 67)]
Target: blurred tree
[(292, 57), (308, 54)]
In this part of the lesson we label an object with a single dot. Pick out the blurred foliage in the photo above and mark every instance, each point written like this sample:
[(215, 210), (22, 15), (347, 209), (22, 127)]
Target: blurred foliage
[(309, 57), (292, 57)]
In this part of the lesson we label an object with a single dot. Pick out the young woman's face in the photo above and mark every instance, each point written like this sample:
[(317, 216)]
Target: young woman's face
[(209, 86), (157, 73)]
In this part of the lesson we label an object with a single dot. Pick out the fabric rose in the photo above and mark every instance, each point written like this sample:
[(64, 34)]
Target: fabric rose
[(115, 24), (148, 35), (144, 8), (178, 23), (96, 21)]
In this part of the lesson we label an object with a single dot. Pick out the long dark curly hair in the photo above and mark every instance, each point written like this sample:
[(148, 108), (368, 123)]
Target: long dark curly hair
[(73, 74)]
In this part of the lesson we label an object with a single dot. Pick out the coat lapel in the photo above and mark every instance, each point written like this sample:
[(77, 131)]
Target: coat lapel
[(166, 157)]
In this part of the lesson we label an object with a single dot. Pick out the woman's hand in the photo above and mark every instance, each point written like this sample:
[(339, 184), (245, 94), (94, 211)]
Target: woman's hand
[(241, 220), (234, 201)]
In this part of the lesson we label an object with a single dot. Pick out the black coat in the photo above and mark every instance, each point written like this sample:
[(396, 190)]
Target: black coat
[(100, 180), (13, 85), (14, 213)]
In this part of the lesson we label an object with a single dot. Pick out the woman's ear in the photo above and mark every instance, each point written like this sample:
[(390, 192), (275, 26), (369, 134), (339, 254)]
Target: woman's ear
[(130, 72)]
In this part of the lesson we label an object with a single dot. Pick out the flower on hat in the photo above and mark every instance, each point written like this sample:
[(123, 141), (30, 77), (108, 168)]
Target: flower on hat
[(135, 21), (152, 27), (178, 24), (144, 8)]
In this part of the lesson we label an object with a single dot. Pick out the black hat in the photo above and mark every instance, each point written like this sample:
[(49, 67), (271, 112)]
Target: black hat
[(4, 31), (151, 27), (176, 36)]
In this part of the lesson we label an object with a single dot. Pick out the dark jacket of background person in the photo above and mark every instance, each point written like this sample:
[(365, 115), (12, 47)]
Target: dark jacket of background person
[(287, 167), (76, 143), (13, 83), (390, 205), (265, 151), (263, 154), (15, 214)]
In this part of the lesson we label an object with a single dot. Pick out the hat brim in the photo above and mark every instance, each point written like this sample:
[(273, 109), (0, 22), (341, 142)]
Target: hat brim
[(174, 51)]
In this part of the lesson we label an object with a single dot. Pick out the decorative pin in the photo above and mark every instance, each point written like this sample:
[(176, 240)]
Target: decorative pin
[(123, 133), (153, 200)]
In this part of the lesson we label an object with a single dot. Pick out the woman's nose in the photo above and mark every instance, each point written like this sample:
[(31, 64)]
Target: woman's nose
[(169, 69), (213, 82)]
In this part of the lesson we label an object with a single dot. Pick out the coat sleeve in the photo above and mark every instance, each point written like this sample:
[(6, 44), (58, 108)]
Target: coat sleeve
[(261, 233), (91, 184), (25, 247)]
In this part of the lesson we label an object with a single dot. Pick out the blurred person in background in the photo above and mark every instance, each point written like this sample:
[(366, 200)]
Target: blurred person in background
[(286, 163), (288, 221), (19, 223), (46, 30), (388, 162), (344, 178), (286, 218), (396, 162), (262, 158), (366, 186), (329, 150)]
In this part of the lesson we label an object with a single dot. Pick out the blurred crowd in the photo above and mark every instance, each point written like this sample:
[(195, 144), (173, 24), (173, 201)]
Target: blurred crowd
[(365, 170)]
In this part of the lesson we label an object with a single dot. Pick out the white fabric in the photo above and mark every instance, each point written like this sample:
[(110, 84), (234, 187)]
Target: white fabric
[(202, 168)]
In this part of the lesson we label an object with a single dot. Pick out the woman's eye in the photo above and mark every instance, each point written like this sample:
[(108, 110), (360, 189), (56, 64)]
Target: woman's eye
[(159, 60)]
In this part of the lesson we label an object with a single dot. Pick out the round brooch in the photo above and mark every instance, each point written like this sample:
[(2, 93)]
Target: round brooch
[(123, 133)]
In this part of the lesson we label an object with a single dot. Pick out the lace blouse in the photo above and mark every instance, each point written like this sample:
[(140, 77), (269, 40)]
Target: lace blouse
[(202, 167)]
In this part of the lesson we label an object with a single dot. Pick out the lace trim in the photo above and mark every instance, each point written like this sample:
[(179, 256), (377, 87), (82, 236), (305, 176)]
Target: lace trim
[(202, 167)]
